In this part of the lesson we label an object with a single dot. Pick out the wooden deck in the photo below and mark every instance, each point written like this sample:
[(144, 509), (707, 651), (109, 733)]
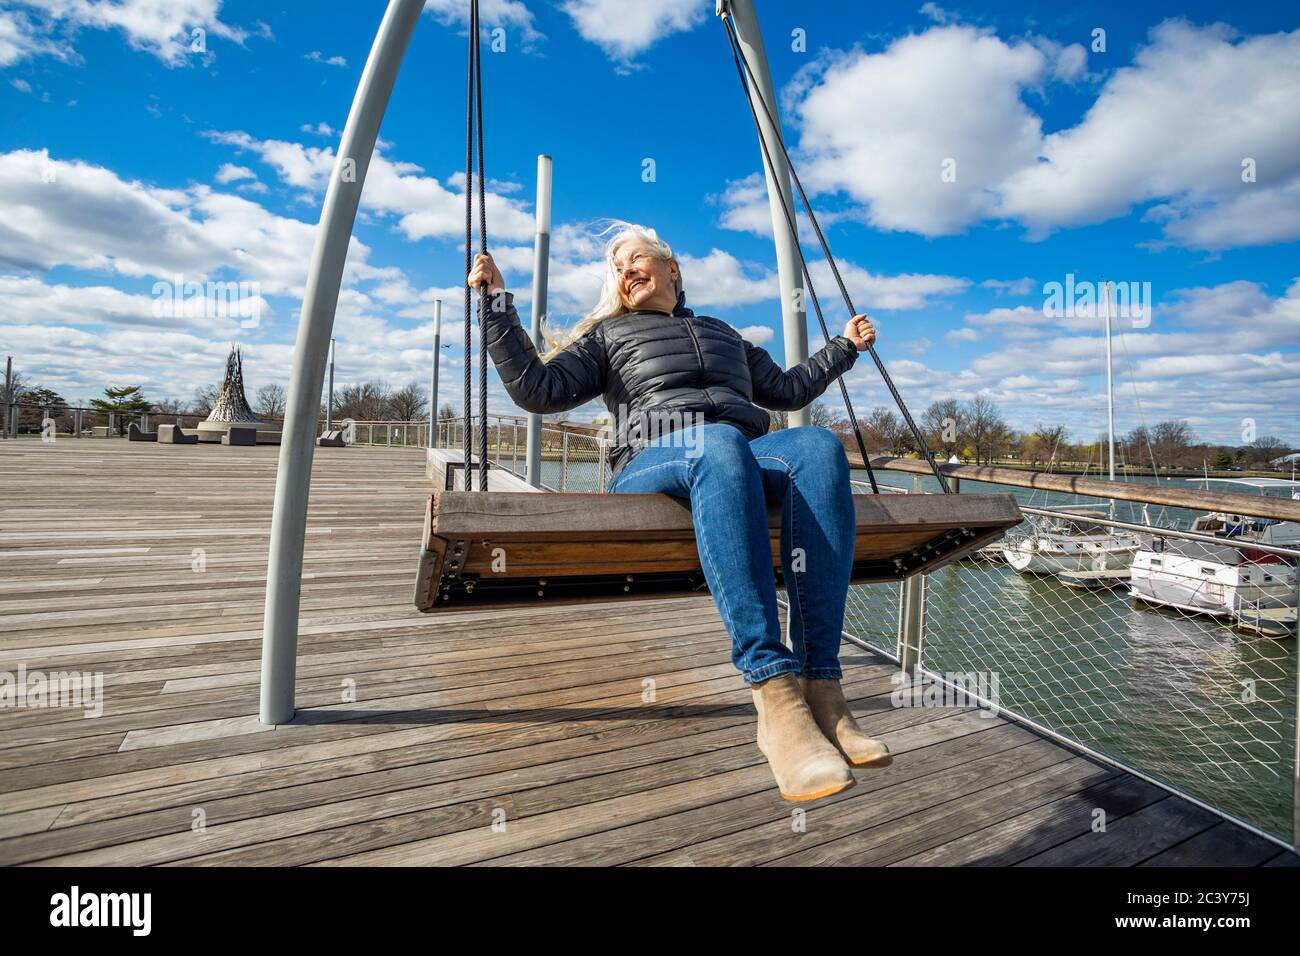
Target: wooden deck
[(611, 734)]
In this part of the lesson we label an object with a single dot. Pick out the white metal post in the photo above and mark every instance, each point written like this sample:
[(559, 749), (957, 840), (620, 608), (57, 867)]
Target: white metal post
[(911, 630), (329, 399), (564, 461), (324, 278), (1110, 390), (794, 319), (9, 396), (541, 268), (433, 383)]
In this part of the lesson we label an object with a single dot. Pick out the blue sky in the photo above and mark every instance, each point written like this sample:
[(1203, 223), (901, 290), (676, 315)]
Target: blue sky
[(127, 158)]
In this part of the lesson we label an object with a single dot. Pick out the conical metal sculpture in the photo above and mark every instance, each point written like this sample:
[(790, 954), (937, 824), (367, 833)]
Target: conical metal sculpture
[(232, 404), (231, 407)]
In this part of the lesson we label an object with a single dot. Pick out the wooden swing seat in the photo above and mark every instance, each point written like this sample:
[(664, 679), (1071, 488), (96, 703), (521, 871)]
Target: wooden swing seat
[(511, 548)]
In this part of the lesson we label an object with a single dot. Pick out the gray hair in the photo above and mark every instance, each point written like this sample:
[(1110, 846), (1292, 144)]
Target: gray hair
[(610, 302)]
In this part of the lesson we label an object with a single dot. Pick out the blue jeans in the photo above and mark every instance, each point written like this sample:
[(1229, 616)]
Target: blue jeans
[(728, 481)]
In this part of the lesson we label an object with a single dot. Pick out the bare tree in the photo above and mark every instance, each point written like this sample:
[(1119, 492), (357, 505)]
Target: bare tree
[(986, 431), (1044, 444), (205, 397), (271, 400), (11, 389), (408, 403), (1265, 450), (365, 402), (942, 424), (1170, 441), (821, 416), (883, 430)]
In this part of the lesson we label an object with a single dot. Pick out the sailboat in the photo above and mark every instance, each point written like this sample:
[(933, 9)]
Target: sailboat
[(1073, 543), (1254, 588)]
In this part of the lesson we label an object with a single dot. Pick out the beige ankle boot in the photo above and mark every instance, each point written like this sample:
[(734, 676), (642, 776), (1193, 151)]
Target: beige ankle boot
[(831, 711), (806, 765)]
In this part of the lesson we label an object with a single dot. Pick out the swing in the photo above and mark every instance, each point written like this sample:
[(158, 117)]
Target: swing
[(504, 548)]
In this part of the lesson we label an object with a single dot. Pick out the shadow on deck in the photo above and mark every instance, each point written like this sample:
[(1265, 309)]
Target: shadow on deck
[(616, 734)]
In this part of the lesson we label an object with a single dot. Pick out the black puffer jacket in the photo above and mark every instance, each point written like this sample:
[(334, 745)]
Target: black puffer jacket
[(656, 368)]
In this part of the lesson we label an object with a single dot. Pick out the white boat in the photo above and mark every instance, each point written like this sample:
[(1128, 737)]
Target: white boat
[(1071, 541), (1254, 588)]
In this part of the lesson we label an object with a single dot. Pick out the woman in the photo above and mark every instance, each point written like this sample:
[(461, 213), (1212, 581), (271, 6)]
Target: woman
[(685, 392)]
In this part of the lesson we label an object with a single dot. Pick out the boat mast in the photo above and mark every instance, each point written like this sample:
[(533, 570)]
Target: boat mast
[(1110, 389)]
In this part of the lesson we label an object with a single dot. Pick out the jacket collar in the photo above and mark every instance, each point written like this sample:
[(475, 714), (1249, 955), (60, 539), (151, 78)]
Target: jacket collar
[(680, 307), (679, 310)]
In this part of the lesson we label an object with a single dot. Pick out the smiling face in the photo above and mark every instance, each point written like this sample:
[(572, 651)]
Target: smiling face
[(646, 282)]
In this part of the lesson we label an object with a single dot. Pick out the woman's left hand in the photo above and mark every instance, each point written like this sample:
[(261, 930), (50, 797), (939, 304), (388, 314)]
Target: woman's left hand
[(860, 332)]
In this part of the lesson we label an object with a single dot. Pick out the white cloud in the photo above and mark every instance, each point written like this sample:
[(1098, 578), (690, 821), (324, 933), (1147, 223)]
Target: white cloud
[(30, 301), (871, 291), (20, 39), (229, 173), (625, 28), (317, 57), (90, 219), (937, 13), (757, 334), (720, 279), (880, 126), (1022, 286), (1177, 125), (425, 207), (508, 14), (164, 29), (1172, 129), (745, 207)]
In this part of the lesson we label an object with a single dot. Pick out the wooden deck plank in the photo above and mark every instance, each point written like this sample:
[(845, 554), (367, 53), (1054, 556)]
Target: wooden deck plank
[(532, 718)]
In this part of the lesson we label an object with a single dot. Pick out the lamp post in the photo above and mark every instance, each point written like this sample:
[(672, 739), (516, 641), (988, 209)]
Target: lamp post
[(329, 401), (433, 382), (541, 265)]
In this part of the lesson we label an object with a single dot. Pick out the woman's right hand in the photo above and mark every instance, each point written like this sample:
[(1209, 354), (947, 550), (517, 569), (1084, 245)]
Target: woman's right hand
[(485, 270)]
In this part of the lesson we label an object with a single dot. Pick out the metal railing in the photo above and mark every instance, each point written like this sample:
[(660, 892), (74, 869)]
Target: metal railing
[(574, 458), (29, 420), (1165, 652)]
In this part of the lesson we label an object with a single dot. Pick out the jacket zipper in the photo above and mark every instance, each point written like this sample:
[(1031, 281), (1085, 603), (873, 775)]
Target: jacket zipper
[(699, 355)]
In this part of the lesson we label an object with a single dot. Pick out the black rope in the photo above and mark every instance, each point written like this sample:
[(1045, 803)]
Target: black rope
[(753, 92), (473, 125), (483, 243), (467, 433)]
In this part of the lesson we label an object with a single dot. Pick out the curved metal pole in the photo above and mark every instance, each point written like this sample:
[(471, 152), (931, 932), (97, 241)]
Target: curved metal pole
[(293, 482)]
